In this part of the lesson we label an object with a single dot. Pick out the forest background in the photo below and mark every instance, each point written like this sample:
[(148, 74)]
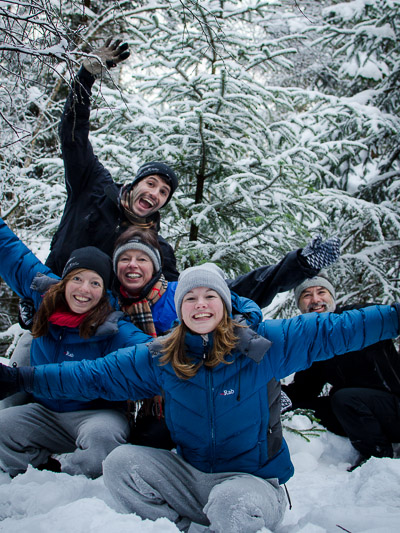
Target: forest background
[(281, 119)]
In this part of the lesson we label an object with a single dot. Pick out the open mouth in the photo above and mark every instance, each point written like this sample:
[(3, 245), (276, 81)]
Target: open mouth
[(133, 275), (202, 315), (81, 299), (318, 308), (146, 203)]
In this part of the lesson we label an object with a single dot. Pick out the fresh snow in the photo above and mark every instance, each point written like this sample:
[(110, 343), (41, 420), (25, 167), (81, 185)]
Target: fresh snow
[(325, 497)]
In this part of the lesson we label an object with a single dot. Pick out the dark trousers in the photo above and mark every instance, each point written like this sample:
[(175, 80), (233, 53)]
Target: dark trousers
[(370, 418)]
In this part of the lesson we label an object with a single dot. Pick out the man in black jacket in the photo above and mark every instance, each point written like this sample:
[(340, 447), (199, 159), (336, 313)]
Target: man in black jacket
[(97, 209), (364, 400)]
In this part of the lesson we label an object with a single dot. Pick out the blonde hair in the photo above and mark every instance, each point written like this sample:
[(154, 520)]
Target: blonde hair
[(174, 352), (54, 300)]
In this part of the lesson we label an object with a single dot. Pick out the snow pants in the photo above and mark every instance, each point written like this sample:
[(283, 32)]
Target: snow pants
[(30, 433), (155, 483), (370, 418)]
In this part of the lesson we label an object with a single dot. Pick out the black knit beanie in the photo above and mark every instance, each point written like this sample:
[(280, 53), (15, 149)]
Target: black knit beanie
[(90, 258), (160, 169)]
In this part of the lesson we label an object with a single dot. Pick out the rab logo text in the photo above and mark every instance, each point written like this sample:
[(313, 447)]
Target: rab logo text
[(227, 392)]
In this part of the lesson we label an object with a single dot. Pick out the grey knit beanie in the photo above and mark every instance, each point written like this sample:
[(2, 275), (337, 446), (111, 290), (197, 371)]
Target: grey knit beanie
[(317, 281), (137, 244), (205, 275)]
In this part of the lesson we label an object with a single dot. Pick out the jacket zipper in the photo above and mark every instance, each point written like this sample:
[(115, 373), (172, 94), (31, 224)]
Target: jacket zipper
[(211, 406), (56, 353)]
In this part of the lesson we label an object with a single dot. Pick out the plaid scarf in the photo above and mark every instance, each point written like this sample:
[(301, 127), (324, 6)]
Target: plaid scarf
[(140, 311)]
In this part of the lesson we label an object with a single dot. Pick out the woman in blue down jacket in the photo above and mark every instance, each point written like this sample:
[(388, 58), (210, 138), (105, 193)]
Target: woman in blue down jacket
[(74, 321), (218, 378)]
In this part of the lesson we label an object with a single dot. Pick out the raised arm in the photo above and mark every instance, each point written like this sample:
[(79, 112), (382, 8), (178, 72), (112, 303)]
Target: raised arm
[(264, 283), (82, 168), (18, 265)]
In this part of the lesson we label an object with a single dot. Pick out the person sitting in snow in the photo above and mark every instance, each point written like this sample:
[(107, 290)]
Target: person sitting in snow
[(364, 399), (220, 380), (74, 321)]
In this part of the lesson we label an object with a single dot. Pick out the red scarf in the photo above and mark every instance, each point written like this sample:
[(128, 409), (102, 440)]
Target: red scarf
[(67, 318)]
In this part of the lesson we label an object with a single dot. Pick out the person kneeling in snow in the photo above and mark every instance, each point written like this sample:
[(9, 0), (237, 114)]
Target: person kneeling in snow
[(219, 376), (364, 401)]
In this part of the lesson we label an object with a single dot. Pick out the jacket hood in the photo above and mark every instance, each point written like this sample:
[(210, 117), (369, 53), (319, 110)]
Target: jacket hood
[(249, 309)]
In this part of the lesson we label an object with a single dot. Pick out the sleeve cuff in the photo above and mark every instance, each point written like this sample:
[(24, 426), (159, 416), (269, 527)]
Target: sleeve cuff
[(26, 375)]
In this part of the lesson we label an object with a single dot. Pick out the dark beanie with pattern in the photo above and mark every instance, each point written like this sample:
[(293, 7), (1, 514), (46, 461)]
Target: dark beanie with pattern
[(90, 258)]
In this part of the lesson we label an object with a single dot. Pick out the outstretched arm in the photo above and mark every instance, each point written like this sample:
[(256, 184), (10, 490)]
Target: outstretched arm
[(125, 374), (264, 283), (18, 265), (298, 342)]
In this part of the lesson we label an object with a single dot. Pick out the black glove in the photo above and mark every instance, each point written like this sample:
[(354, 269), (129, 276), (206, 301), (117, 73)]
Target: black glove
[(10, 382), (26, 312), (109, 55), (320, 254)]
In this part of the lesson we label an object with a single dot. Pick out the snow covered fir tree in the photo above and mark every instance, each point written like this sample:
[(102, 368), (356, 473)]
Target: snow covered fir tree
[(281, 120)]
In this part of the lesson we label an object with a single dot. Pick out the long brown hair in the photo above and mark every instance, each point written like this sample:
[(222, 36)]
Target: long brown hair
[(54, 300), (174, 351)]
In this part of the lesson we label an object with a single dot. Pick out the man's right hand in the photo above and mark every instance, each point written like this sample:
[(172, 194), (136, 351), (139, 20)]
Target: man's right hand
[(109, 55)]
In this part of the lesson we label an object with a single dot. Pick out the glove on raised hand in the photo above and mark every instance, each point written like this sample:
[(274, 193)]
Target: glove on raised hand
[(320, 254), (109, 55), (26, 312)]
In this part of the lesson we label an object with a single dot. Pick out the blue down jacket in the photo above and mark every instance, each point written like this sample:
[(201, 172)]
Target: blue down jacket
[(19, 268), (222, 419)]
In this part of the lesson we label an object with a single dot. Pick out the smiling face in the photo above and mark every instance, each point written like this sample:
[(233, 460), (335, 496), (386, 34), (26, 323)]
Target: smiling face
[(134, 270), (316, 299), (84, 290), (202, 310), (149, 195)]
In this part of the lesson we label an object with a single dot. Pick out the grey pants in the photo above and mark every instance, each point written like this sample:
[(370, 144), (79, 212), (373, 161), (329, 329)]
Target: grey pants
[(157, 483), (30, 433)]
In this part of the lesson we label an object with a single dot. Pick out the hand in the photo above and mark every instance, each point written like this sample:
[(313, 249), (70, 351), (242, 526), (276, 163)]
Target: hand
[(286, 402), (109, 55), (320, 254), (26, 312), (9, 381)]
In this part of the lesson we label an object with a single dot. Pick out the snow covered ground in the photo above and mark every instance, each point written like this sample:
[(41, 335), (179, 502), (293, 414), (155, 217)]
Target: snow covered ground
[(325, 497)]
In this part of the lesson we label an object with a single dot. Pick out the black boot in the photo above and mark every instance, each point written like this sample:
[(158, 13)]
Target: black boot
[(361, 459), (52, 465)]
